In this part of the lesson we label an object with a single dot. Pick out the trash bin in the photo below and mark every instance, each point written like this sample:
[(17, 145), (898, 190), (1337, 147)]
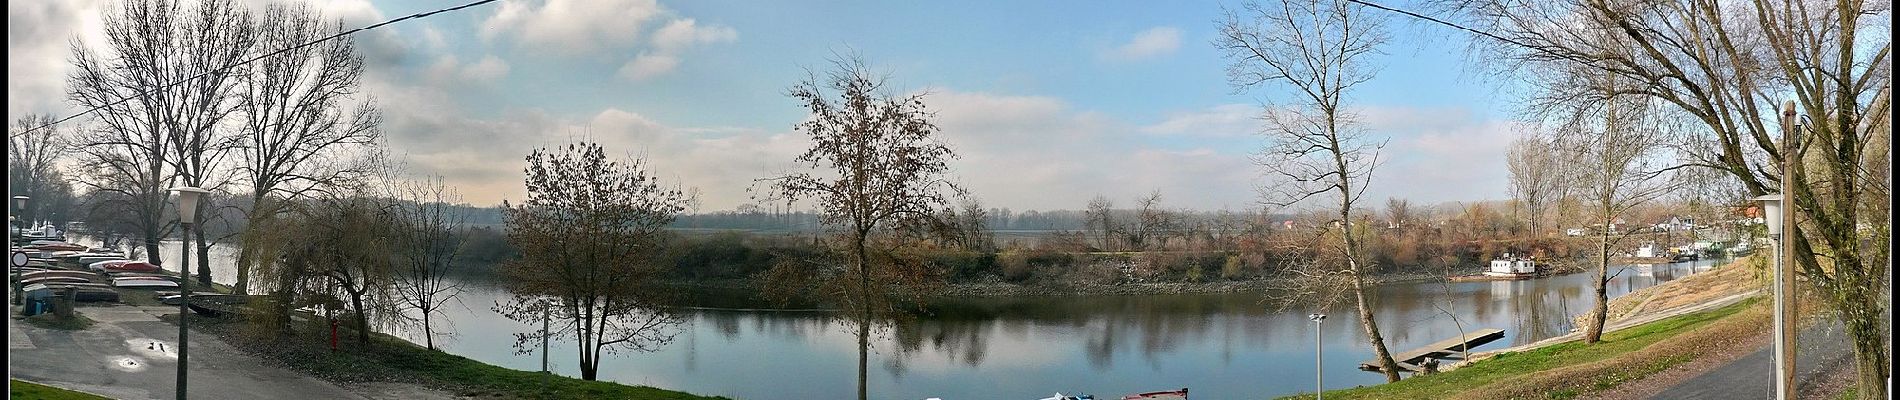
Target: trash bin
[(33, 307)]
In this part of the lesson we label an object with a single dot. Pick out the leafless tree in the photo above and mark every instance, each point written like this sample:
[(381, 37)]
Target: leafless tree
[(1101, 220), (426, 249), (1315, 50), (158, 137), (1536, 178), (33, 170), (883, 171), (300, 127), (1153, 225), (588, 235), (1399, 213), (1612, 142), (1725, 65)]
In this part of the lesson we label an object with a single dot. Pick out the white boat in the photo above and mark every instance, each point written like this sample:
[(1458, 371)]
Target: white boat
[(89, 259), (66, 273), (143, 283)]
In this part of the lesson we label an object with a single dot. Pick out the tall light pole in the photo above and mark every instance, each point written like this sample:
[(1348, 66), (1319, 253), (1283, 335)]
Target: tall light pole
[(19, 213), (1787, 300), (1319, 367), (187, 214), (1771, 214)]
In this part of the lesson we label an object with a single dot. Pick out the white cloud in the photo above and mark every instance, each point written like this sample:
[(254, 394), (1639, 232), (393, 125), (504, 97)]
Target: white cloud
[(1040, 153), (607, 30), (686, 32), (648, 65), (1226, 120), (1154, 42), (571, 26), (38, 56), (489, 69), (448, 71)]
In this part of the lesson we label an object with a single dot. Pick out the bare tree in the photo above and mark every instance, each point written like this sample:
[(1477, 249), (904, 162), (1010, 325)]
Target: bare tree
[(33, 170), (1313, 49), (427, 247), (1536, 178), (884, 171), (157, 137), (1616, 169), (299, 125), (1725, 65), (1399, 213), (1154, 225), (1100, 218), (588, 235)]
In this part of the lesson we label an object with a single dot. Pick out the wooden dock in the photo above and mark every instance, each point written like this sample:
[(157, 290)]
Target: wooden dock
[(1449, 348)]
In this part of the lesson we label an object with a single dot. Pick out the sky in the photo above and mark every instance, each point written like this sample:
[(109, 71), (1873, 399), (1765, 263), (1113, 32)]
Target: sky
[(1048, 104)]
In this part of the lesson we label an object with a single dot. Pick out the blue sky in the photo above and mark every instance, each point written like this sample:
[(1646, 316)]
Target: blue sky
[(1050, 103)]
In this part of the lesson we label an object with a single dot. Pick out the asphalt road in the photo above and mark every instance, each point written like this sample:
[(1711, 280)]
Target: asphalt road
[(130, 354), (1820, 347)]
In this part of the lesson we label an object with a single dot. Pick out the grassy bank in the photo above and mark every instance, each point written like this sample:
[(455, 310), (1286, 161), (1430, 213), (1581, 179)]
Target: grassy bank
[(391, 359), (18, 389), (1571, 369)]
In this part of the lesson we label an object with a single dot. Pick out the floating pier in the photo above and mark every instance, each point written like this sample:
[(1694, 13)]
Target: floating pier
[(1455, 347)]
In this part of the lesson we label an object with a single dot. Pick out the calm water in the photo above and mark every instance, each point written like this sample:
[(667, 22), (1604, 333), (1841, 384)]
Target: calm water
[(1221, 346)]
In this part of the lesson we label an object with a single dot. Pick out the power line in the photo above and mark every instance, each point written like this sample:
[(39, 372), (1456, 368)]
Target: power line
[(1472, 30), (226, 67)]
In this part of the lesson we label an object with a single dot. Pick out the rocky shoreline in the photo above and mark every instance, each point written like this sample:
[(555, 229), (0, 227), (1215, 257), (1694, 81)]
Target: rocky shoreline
[(1151, 288)]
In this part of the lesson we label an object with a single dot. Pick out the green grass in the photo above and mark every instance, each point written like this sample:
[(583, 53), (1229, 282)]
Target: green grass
[(18, 389), (50, 321), (393, 359), (1507, 366)]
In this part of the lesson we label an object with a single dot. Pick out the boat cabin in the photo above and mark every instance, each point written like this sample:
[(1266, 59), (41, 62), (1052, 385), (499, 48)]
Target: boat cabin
[(1508, 265)]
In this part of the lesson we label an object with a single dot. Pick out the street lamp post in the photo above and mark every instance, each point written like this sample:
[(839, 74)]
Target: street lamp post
[(187, 213), (19, 213), (1319, 367), (1772, 214)]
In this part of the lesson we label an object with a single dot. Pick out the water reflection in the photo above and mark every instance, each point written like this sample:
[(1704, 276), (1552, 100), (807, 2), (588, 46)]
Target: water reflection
[(1227, 346)]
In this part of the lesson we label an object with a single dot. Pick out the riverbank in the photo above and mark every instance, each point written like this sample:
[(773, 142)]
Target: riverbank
[(388, 359), (1572, 369), (1006, 289), (1700, 319)]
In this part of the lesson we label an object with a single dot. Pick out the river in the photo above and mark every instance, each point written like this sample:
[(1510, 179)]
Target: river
[(1220, 346)]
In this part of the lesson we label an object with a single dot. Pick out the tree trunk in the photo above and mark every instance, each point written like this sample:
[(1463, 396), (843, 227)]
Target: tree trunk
[(428, 332), (1599, 311), (245, 254), (1389, 366), (362, 319), (151, 249), (204, 256)]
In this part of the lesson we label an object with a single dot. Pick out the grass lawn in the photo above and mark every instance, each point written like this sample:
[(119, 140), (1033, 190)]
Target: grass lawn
[(393, 359), (1512, 368), (50, 321), (17, 389)]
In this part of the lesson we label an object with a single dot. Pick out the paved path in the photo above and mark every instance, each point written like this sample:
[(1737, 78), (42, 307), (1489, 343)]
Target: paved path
[(1822, 346), (129, 354)]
